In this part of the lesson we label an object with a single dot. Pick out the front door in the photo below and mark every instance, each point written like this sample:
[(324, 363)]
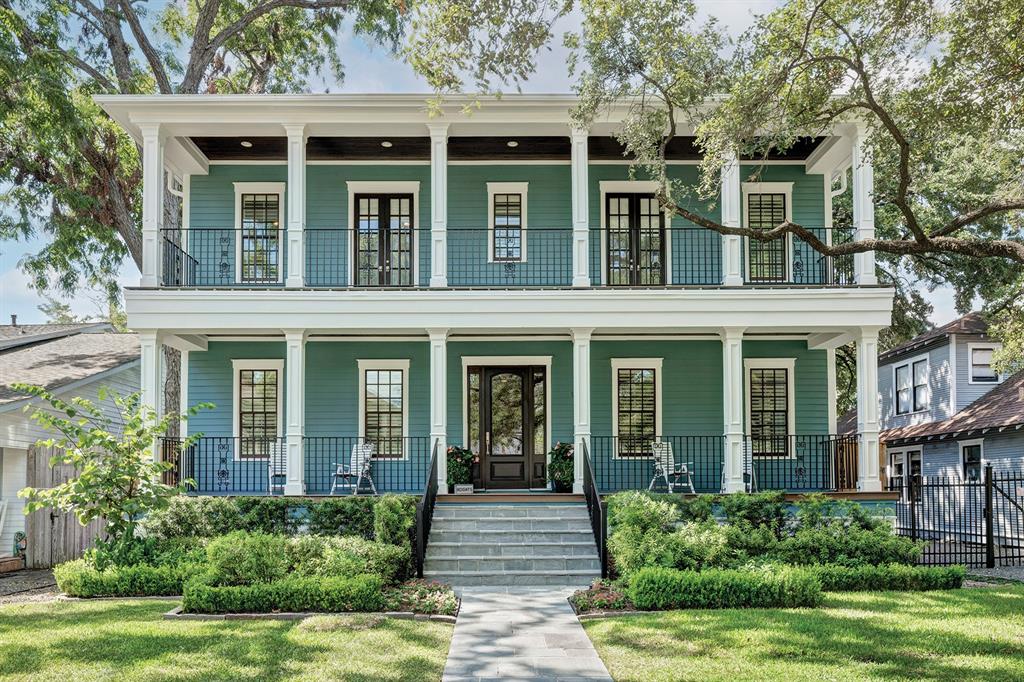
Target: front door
[(636, 240), (383, 240), (507, 405)]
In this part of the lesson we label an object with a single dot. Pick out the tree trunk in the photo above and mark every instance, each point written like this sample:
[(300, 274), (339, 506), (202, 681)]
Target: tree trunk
[(172, 388)]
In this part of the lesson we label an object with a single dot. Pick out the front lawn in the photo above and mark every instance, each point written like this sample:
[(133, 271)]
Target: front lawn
[(127, 640), (973, 634)]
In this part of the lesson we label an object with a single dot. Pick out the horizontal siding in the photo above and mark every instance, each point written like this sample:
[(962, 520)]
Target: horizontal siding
[(810, 384), (966, 392), (938, 385)]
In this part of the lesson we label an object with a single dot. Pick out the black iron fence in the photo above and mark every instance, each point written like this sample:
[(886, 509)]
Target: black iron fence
[(425, 510), (597, 510), (510, 257), (336, 465), (791, 260), (226, 465), (824, 462), (658, 463), (975, 523), (218, 257)]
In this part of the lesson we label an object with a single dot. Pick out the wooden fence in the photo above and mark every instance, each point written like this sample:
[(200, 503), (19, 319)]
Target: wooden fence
[(53, 537)]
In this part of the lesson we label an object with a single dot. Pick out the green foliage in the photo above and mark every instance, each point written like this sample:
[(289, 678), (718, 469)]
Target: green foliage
[(79, 578), (393, 519), (149, 551), (603, 595), (422, 596), (202, 594), (460, 465), (820, 511), (888, 577), (560, 464), (641, 511), (846, 546), (692, 546), (659, 588), (313, 555), (118, 479), (241, 558), (349, 515), (266, 514), (765, 510)]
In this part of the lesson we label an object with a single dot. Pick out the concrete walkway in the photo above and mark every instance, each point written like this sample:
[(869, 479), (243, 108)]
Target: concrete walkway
[(520, 633)]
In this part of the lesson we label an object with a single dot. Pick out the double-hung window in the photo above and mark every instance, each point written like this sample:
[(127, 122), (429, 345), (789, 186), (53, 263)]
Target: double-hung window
[(384, 415), (636, 405), (507, 230), (971, 456), (981, 368), (911, 381), (258, 401), (770, 405)]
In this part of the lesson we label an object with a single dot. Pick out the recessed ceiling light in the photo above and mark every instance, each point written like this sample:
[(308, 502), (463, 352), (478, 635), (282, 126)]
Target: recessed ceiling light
[(386, 144), (246, 143), (512, 143)]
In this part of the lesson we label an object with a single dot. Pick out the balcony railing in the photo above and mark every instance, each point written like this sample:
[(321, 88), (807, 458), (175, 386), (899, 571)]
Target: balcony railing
[(510, 257), (801, 462), (223, 257), (630, 463), (226, 465), (793, 261)]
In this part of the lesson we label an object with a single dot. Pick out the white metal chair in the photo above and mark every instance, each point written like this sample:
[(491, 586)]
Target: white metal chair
[(357, 470), (665, 467), (277, 467)]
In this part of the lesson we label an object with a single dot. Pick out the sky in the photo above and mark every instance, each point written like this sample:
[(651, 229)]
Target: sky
[(369, 68)]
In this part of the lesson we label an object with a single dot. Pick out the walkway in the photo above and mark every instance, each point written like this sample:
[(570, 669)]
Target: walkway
[(520, 633)]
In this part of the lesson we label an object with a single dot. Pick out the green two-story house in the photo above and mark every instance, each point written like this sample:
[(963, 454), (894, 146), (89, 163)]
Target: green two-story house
[(351, 279)]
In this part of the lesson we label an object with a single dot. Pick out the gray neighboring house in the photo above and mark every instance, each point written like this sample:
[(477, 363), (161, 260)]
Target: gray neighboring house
[(944, 410), (68, 359)]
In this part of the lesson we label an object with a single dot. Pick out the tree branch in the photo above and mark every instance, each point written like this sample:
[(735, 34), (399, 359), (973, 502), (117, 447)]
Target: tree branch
[(163, 83)]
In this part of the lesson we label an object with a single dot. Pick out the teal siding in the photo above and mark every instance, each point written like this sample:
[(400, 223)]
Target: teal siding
[(810, 384)]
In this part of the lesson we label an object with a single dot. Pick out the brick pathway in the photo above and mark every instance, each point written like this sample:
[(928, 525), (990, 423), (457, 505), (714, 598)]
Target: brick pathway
[(520, 633)]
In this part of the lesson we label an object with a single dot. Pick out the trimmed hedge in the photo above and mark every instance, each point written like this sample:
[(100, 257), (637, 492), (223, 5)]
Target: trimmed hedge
[(328, 595), (653, 589), (317, 555), (890, 577), (851, 546), (241, 558), (78, 579)]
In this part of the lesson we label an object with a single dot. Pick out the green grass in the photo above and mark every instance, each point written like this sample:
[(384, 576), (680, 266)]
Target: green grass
[(127, 640), (957, 635)]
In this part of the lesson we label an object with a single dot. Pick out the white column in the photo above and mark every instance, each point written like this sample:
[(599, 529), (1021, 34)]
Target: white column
[(580, 210), (868, 480), (439, 403), (152, 201), (732, 246), (296, 205), (732, 407), (438, 204), (150, 362), (295, 409), (580, 401), (863, 207)]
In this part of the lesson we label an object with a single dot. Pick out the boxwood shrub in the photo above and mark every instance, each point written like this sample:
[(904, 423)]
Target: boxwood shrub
[(895, 577), (79, 578), (851, 546), (666, 588), (241, 558), (317, 555), (293, 594)]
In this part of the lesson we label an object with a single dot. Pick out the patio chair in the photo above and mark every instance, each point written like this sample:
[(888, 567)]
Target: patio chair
[(277, 467), (749, 477), (357, 470), (665, 467)]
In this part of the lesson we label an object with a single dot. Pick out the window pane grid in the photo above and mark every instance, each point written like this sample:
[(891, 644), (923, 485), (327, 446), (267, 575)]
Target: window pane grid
[(637, 411), (769, 411), (257, 411), (384, 240), (260, 230), (981, 366), (767, 260), (508, 227), (383, 400)]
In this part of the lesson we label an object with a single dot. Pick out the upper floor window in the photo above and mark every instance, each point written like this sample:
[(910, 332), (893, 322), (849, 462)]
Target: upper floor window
[(770, 405), (911, 381), (767, 205), (980, 357), (258, 236), (507, 213), (970, 454)]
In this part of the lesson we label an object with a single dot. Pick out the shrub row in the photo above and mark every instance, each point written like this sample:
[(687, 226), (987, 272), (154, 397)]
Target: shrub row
[(894, 577), (657, 588), (80, 579), (295, 594)]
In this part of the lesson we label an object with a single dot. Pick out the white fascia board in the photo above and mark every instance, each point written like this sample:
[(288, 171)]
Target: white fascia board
[(222, 311), (834, 152)]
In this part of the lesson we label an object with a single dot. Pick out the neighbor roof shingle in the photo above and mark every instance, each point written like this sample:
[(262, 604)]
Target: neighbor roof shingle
[(972, 324)]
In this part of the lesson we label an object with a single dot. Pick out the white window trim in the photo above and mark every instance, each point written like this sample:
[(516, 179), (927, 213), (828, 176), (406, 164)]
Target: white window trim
[(277, 188), (785, 188), (373, 364), (895, 389), (970, 363), (494, 188), (607, 187), (788, 364), (903, 454), (383, 187), (507, 361), (961, 444), (237, 365), (636, 363)]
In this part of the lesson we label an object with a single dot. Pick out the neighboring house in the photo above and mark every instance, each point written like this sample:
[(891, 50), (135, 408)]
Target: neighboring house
[(69, 360), (352, 275)]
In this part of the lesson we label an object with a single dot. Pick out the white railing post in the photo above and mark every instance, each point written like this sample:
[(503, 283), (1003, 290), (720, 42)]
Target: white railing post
[(153, 139), (580, 210), (868, 480), (439, 403), (438, 204), (732, 246), (295, 409), (863, 207), (150, 363), (581, 401), (732, 392), (296, 190)]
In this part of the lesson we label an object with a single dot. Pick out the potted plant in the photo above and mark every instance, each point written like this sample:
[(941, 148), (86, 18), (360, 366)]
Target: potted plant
[(460, 470), (560, 467)]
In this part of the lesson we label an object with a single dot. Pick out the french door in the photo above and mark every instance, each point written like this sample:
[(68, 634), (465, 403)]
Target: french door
[(384, 240), (636, 240)]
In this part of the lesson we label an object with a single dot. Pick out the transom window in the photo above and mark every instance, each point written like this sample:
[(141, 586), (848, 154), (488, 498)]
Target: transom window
[(970, 453), (982, 371), (258, 407), (508, 227), (769, 409), (911, 379), (767, 259), (383, 406), (260, 257)]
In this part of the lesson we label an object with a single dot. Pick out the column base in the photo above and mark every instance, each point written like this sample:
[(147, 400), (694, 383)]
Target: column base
[(577, 487), (294, 489), (735, 487), (581, 281), (870, 485), (148, 281), (866, 280), (732, 281), (439, 282), (294, 282)]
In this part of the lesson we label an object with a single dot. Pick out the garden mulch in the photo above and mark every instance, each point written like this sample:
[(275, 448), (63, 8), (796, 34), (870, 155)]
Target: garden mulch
[(27, 586)]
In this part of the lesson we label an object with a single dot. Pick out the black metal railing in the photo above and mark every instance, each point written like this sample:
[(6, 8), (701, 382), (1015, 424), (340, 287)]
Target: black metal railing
[(629, 463), (597, 509), (227, 465), (397, 465), (825, 462), (425, 510), (218, 257), (510, 257), (343, 257), (792, 260)]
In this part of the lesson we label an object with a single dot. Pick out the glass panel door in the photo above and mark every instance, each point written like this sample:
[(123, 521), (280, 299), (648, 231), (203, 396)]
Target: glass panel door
[(636, 240), (384, 240), (507, 425)]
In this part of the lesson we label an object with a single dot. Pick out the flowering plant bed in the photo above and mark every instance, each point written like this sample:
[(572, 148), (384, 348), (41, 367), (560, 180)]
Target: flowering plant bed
[(601, 597)]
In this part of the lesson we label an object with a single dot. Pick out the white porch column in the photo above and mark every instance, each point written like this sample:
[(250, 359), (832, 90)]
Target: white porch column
[(868, 480), (295, 409), (580, 210), (863, 207), (150, 361), (296, 205), (153, 139), (732, 246), (438, 204), (732, 392), (439, 403), (580, 401)]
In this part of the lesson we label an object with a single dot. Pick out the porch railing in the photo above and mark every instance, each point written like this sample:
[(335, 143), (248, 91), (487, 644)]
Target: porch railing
[(622, 463), (425, 510), (510, 257), (226, 465), (597, 510), (398, 465), (221, 257), (825, 462), (793, 261)]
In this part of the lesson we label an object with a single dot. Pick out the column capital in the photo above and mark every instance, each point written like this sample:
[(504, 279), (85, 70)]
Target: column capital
[(295, 334), (868, 333), (579, 134), (295, 130), (438, 333), (731, 333), (580, 334), (152, 131), (438, 130)]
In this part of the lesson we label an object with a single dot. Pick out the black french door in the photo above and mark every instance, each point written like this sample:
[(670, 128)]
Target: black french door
[(384, 240), (636, 240)]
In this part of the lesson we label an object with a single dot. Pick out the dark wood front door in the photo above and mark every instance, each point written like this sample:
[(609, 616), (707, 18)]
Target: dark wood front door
[(636, 240), (383, 240), (509, 406)]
